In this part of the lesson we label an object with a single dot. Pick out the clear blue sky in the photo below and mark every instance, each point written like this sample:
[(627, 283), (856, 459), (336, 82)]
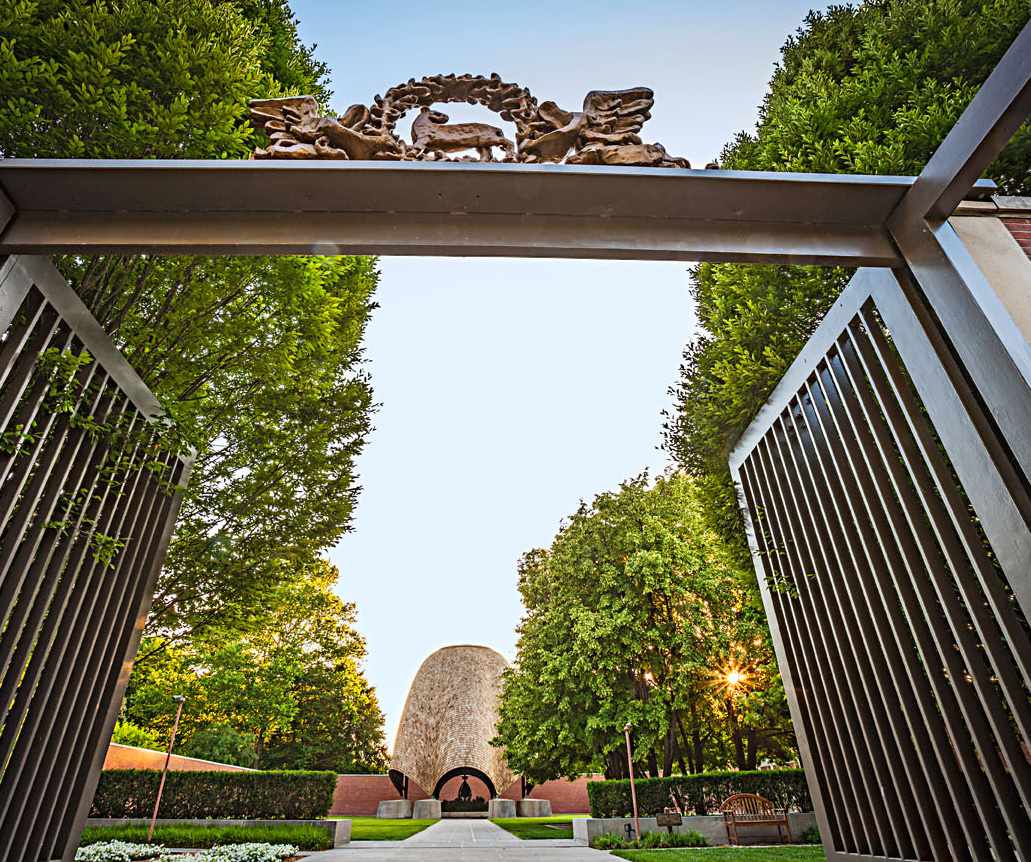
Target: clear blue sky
[(512, 389)]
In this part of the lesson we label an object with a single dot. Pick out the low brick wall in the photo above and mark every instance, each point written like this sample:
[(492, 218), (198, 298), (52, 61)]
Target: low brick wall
[(130, 757), (1020, 229), (359, 795)]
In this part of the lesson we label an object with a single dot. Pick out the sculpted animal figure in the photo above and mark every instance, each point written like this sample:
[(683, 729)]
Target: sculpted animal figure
[(431, 132)]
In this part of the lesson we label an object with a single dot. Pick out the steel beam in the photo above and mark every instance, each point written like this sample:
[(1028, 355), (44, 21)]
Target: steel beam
[(451, 209)]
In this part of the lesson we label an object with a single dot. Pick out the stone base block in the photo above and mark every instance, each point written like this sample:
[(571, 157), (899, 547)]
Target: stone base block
[(426, 809), (533, 808), (499, 808), (394, 809)]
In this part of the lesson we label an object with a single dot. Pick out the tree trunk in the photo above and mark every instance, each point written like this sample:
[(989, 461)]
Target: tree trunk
[(653, 764), (735, 736), (752, 754), (667, 750)]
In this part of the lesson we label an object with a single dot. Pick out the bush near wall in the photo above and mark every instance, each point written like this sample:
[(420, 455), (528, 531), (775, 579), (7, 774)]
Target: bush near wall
[(701, 793), (227, 795)]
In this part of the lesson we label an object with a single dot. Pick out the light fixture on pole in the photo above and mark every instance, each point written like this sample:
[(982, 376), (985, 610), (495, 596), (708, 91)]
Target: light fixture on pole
[(633, 789), (180, 699)]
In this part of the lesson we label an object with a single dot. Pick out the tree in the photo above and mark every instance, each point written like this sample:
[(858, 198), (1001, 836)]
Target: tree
[(258, 360), (637, 613), (289, 693), (868, 89)]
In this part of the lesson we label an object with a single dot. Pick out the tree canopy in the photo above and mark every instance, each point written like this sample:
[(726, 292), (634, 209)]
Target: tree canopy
[(637, 613), (872, 88), (287, 694), (257, 360)]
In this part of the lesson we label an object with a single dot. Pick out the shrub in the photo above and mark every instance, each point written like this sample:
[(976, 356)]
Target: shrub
[(127, 733), (651, 841), (810, 836), (185, 835), (701, 793), (240, 795), (476, 804)]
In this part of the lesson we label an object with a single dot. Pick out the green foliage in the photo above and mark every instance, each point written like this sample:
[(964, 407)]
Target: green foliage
[(810, 836), (127, 733), (726, 854), (651, 841), (701, 794), (634, 615), (871, 88), (200, 836), (286, 795), (289, 693), (222, 744), (477, 803), (258, 360)]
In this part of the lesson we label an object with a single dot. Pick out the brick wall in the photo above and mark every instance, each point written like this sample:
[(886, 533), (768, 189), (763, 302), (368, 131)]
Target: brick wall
[(567, 797), (1021, 230), (359, 795), (130, 757)]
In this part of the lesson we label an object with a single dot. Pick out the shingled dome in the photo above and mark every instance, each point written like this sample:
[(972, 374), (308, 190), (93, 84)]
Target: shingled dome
[(448, 721)]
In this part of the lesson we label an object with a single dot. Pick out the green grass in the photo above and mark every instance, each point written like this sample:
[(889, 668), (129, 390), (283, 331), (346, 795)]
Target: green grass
[(304, 837), (726, 854), (374, 829), (530, 828)]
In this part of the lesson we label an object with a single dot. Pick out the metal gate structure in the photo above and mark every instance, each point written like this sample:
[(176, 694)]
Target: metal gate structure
[(886, 489), (886, 484), (89, 496)]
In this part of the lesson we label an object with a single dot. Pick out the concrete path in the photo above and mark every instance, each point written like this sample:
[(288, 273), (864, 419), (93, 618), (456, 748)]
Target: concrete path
[(461, 841)]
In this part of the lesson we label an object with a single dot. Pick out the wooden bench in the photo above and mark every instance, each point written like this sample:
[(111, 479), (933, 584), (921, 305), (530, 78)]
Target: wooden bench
[(751, 809)]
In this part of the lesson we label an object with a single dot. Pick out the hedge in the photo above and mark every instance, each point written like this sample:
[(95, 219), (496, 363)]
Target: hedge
[(268, 795), (702, 793)]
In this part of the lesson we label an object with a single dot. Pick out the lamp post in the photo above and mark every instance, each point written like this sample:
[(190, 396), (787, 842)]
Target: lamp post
[(180, 699), (633, 790)]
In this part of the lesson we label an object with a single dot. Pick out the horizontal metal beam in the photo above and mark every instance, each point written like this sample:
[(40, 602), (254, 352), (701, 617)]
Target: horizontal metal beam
[(464, 209), (448, 236)]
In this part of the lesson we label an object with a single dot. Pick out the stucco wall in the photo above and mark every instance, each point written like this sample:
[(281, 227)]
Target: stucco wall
[(130, 757)]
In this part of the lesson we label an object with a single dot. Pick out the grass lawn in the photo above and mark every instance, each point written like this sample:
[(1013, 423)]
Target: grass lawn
[(529, 828), (374, 829), (304, 837), (726, 854)]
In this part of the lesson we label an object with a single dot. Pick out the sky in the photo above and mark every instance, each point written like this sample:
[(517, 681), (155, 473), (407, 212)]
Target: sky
[(510, 390)]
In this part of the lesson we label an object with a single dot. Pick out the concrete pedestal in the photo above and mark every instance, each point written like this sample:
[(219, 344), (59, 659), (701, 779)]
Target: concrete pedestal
[(394, 809), (426, 809), (533, 808), (498, 808)]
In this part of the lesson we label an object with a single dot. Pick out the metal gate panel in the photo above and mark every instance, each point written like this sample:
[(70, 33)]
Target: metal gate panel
[(89, 492), (891, 543)]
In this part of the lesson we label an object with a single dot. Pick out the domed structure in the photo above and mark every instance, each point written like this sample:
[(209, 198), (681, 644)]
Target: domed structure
[(449, 718)]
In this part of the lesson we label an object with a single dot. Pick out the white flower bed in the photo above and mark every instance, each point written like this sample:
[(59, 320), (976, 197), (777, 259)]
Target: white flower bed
[(123, 851), (248, 853), (117, 851)]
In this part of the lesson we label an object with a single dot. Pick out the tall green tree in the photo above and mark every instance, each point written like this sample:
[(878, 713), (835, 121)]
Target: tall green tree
[(258, 360), (637, 614), (871, 88), (287, 694)]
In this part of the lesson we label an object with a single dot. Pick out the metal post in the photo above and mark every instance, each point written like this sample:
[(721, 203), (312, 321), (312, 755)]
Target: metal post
[(633, 790), (164, 772)]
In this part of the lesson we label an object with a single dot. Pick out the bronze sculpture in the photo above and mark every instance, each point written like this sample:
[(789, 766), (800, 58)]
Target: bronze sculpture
[(605, 132)]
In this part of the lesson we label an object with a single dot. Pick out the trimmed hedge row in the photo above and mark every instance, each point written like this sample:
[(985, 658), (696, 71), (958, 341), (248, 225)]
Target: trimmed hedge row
[(269, 795), (701, 793)]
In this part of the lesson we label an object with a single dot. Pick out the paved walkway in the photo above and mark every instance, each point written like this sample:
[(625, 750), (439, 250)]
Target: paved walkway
[(461, 841)]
